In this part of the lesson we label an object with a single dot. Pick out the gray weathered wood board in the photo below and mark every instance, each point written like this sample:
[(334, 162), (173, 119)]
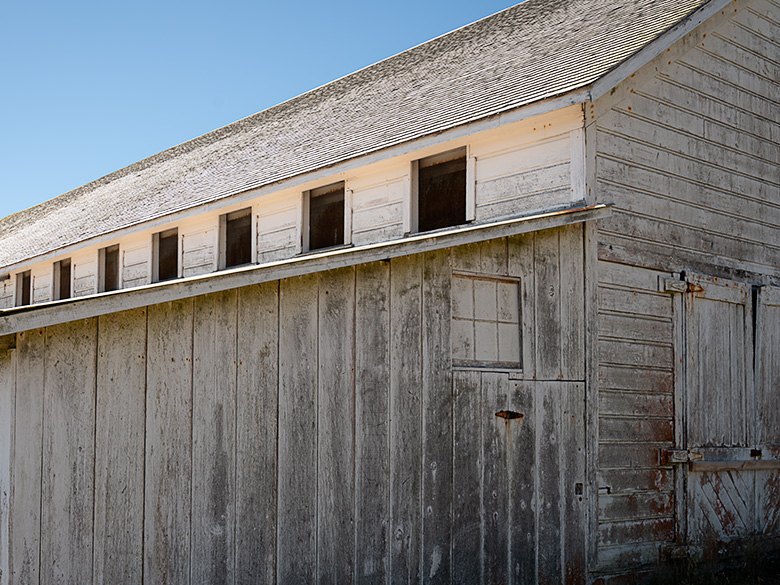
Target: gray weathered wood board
[(335, 426), (28, 451), (168, 465), (297, 452), (256, 433), (213, 438), (119, 447), (68, 453), (372, 423), (7, 429)]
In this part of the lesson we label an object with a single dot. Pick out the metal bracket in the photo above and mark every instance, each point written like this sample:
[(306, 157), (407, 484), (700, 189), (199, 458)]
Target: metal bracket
[(677, 456), (673, 285)]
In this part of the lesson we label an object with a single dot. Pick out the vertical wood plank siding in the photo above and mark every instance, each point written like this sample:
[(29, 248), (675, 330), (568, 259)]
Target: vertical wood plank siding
[(120, 429), (310, 429)]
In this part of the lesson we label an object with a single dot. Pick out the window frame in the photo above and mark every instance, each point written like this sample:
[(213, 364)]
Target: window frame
[(412, 207), (224, 229), (172, 232), (102, 268), (306, 223), (57, 279), (516, 368), (22, 287)]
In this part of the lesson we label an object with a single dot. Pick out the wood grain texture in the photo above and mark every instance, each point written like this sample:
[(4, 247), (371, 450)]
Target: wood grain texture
[(297, 451), (767, 399), (522, 459), (7, 416), (520, 262), (68, 453), (25, 529), (256, 434), (467, 558), (372, 423), (549, 444), (119, 447), (405, 419), (496, 442), (213, 439), (335, 426), (572, 302), (548, 306), (168, 475), (437, 414)]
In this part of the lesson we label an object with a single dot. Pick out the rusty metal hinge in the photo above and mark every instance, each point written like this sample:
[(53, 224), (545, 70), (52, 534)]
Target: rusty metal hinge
[(676, 456)]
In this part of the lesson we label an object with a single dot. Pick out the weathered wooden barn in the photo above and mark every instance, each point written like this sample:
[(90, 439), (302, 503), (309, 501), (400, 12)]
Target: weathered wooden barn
[(503, 308)]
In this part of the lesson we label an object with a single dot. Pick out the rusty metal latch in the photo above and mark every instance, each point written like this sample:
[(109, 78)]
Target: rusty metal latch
[(673, 285), (509, 414), (677, 456)]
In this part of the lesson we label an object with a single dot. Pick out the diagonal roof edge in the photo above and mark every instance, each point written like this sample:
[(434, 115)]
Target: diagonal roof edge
[(616, 67)]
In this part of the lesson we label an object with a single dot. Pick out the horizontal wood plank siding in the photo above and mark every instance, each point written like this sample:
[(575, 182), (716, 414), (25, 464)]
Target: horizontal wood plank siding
[(277, 231), (525, 179), (377, 211), (636, 415), (136, 269), (7, 293), (691, 157), (198, 252)]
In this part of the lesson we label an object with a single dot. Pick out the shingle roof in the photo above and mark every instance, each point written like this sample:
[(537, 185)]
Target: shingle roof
[(532, 51)]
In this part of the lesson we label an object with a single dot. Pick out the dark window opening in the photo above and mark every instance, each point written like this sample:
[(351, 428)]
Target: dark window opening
[(441, 187), (62, 279), (326, 216), (110, 267), (24, 282), (238, 238), (167, 255)]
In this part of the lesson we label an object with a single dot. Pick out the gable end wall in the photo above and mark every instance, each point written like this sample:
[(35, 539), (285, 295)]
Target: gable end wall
[(688, 150)]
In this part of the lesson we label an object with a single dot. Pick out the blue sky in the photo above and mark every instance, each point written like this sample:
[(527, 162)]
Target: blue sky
[(89, 87)]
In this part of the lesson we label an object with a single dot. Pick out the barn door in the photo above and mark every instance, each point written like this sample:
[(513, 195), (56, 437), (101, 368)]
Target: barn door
[(768, 411), (719, 410)]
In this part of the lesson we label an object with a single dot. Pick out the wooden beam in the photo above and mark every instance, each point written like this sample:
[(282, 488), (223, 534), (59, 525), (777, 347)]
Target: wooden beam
[(45, 314)]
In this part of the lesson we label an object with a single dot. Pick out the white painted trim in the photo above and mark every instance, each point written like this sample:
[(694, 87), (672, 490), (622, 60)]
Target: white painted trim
[(655, 48), (304, 223), (181, 254), (578, 165), (56, 276), (45, 314), (154, 266), (347, 215), (471, 185), (101, 270), (253, 219), (412, 209), (220, 246)]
